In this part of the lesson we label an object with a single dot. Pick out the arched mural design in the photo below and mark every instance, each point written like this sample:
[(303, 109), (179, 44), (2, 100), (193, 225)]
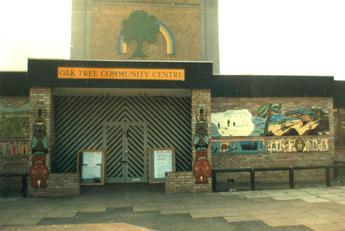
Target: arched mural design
[(166, 33)]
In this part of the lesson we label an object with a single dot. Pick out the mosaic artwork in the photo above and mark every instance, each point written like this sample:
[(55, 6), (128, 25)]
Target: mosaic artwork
[(282, 145), (270, 121), (305, 144), (202, 168), (14, 148), (238, 147), (14, 121)]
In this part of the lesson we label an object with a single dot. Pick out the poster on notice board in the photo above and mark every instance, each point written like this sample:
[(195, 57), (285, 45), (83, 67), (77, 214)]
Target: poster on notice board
[(162, 160), (90, 166)]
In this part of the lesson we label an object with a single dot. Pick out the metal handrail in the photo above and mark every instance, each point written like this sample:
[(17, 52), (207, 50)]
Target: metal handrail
[(291, 170)]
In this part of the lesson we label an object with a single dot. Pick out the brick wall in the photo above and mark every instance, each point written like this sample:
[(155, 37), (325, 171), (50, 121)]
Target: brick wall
[(15, 164), (176, 182), (59, 185), (223, 160), (105, 23)]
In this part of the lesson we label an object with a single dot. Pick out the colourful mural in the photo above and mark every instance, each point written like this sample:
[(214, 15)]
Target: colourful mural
[(270, 121), (14, 121), (140, 27), (238, 147), (13, 148), (232, 123), (281, 145), (305, 144)]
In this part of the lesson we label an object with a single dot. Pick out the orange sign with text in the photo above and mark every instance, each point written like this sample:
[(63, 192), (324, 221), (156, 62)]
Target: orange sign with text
[(121, 73)]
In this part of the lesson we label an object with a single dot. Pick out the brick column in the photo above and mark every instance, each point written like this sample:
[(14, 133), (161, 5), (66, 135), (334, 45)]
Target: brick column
[(43, 95), (201, 96)]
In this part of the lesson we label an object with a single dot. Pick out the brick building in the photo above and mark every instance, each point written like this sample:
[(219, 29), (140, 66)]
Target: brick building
[(127, 107)]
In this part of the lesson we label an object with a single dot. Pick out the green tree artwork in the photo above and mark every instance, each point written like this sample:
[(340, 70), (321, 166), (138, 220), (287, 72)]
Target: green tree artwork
[(266, 111), (139, 27)]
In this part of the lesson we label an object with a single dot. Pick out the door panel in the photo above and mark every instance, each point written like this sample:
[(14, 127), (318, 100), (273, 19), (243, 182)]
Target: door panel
[(125, 145), (136, 153), (114, 146)]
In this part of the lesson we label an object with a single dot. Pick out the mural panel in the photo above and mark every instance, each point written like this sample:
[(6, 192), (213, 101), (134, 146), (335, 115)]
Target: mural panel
[(270, 121), (14, 121), (305, 144), (238, 147), (280, 145)]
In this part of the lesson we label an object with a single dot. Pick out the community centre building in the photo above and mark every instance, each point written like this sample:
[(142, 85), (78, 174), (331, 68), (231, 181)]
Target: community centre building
[(140, 102)]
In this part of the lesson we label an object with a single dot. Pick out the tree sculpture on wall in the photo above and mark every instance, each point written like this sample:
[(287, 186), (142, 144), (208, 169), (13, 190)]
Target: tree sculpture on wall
[(266, 111), (202, 168), (39, 146), (139, 27)]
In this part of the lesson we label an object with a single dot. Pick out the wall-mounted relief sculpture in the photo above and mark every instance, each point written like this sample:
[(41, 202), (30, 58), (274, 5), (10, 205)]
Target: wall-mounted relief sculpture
[(299, 144), (238, 147), (14, 148), (141, 27), (270, 121), (201, 141), (39, 146)]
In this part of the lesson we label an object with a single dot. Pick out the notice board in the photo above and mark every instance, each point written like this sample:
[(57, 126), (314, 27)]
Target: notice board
[(161, 160), (90, 166)]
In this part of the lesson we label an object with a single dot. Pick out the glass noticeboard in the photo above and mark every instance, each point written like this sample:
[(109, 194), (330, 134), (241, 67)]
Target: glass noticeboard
[(162, 160), (90, 165)]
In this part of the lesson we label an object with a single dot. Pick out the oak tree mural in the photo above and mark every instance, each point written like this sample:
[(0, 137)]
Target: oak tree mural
[(139, 27)]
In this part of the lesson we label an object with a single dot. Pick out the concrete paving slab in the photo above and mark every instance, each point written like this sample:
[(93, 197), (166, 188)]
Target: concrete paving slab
[(92, 208), (61, 213), (240, 218), (173, 211), (277, 209), (84, 227), (313, 199), (22, 221), (327, 226)]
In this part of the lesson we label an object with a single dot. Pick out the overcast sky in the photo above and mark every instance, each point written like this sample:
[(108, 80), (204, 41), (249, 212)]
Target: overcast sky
[(277, 37)]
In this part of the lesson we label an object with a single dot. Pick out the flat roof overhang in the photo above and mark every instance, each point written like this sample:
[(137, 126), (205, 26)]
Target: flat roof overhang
[(132, 92)]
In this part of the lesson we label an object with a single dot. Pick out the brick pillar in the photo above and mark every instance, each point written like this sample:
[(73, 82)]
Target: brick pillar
[(45, 95), (201, 96)]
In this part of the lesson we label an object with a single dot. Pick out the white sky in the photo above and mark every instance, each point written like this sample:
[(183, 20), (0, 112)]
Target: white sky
[(276, 37), (297, 37), (34, 29)]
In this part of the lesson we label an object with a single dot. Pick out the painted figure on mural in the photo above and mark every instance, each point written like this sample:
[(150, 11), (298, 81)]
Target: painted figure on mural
[(39, 146), (202, 168)]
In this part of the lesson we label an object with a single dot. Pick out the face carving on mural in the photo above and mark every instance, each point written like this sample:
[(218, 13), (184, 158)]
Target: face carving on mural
[(233, 122)]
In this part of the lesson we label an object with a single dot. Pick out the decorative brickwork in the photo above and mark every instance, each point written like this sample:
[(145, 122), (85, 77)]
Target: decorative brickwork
[(106, 19), (59, 185), (176, 182)]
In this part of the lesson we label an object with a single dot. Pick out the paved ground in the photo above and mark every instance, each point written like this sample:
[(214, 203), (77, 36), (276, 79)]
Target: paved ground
[(135, 208)]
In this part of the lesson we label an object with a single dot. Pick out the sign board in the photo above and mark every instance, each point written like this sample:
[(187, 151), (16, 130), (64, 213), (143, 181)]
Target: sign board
[(162, 160), (90, 165), (121, 73)]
